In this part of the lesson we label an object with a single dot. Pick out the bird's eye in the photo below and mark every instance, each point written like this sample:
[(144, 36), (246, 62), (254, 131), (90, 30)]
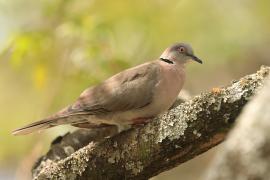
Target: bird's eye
[(182, 49)]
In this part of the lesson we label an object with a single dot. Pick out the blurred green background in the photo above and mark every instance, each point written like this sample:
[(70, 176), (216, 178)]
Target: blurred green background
[(51, 50)]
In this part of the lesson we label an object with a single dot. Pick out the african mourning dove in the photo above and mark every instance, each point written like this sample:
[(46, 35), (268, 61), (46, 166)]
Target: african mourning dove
[(130, 97)]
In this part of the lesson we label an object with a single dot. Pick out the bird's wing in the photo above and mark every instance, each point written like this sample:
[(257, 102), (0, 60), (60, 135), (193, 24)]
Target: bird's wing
[(130, 89)]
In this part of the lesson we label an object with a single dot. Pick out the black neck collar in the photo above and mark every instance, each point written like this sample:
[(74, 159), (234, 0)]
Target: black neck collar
[(166, 60)]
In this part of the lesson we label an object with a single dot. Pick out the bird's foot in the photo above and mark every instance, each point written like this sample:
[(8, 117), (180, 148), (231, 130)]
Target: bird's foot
[(141, 121)]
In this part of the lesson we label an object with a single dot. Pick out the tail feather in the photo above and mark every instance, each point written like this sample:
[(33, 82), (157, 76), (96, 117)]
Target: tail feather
[(40, 125)]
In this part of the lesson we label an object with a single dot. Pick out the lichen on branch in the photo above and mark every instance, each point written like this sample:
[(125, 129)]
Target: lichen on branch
[(245, 154)]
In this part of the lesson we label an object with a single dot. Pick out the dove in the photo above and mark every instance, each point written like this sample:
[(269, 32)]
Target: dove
[(131, 97)]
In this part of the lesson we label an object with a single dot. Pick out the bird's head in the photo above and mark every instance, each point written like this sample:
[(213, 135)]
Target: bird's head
[(179, 52)]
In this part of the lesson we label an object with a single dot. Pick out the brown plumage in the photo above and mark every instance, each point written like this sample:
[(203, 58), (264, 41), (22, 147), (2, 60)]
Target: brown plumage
[(128, 97)]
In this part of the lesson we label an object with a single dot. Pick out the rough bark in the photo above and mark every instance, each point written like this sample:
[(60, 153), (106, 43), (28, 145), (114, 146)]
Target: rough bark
[(182, 133), (246, 153)]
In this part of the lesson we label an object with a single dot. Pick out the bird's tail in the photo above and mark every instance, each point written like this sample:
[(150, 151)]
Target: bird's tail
[(41, 125)]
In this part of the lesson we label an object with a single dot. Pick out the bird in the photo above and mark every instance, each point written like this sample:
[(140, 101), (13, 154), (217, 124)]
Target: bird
[(131, 97)]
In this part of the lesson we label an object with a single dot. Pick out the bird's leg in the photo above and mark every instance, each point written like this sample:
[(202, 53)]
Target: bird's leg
[(141, 121)]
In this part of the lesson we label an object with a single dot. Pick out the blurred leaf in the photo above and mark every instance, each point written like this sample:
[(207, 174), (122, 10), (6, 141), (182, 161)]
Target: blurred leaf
[(20, 47), (40, 76)]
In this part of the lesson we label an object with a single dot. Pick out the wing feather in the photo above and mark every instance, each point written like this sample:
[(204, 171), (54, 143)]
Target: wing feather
[(130, 89)]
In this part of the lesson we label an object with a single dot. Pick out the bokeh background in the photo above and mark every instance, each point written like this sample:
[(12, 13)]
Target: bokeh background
[(50, 50)]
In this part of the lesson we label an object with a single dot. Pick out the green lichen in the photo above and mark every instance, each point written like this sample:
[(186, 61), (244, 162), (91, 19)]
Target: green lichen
[(68, 150), (135, 167), (68, 168)]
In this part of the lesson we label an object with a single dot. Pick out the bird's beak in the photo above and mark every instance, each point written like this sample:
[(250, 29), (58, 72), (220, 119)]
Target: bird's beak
[(195, 58)]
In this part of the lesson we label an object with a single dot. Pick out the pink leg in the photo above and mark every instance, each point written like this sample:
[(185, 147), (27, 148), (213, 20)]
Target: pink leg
[(141, 120)]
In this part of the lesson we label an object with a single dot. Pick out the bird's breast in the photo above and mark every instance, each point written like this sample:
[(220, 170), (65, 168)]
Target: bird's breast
[(171, 82)]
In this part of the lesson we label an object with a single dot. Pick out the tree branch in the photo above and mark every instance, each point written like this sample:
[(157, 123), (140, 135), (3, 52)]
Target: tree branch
[(182, 133), (246, 152)]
